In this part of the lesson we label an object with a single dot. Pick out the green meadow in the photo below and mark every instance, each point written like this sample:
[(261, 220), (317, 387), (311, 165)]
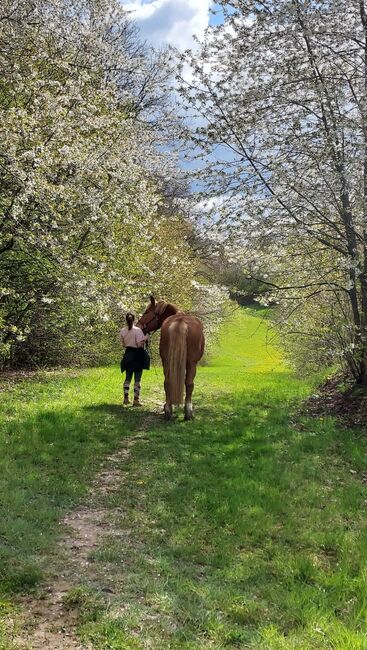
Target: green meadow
[(246, 528)]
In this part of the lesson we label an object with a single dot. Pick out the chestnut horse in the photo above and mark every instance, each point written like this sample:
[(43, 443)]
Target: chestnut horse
[(181, 347)]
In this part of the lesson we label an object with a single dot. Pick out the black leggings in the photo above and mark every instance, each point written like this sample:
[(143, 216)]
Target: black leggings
[(137, 376)]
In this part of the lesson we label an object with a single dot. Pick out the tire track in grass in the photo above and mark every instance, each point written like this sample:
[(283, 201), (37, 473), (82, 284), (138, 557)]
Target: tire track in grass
[(47, 621)]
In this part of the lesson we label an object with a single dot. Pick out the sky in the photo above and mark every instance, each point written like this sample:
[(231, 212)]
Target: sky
[(171, 22)]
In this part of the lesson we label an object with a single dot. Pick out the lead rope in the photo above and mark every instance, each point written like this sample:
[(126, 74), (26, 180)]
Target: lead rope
[(148, 347)]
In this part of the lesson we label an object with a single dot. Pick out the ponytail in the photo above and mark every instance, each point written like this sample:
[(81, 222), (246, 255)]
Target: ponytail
[(130, 319)]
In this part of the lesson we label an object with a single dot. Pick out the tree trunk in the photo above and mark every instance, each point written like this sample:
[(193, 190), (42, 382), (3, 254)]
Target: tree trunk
[(363, 278)]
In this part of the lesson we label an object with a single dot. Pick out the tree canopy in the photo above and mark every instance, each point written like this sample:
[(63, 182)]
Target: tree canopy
[(279, 90), (91, 209)]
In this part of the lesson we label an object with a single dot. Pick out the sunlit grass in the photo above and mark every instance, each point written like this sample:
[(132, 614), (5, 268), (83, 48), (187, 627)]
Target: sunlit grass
[(247, 527)]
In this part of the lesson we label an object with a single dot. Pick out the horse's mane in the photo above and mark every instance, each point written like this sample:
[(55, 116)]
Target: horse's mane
[(163, 306)]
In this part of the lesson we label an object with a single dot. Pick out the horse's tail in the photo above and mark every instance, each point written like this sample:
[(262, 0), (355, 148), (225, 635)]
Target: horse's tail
[(176, 361)]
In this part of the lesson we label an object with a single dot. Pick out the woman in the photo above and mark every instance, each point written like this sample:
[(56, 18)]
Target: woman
[(135, 359)]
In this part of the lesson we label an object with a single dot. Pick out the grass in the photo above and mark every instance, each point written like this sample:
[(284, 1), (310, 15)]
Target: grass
[(243, 529)]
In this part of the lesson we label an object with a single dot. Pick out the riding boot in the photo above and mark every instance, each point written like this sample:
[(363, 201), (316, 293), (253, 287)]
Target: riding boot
[(136, 394), (126, 393)]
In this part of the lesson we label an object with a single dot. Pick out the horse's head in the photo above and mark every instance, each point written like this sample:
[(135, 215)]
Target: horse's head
[(155, 314), (151, 319)]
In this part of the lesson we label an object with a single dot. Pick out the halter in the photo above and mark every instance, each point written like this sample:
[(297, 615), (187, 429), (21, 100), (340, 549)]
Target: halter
[(156, 318)]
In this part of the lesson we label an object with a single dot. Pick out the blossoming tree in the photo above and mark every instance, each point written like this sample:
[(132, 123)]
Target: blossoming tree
[(280, 94), (85, 123)]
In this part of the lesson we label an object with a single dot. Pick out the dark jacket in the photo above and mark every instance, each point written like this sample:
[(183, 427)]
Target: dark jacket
[(135, 359)]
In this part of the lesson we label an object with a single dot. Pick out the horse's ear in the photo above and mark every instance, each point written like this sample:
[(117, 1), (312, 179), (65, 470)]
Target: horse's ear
[(152, 301)]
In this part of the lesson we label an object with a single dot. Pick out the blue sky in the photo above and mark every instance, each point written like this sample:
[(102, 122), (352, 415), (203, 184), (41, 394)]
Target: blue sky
[(172, 22)]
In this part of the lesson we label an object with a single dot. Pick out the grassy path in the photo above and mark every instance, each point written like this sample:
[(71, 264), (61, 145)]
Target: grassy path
[(243, 529)]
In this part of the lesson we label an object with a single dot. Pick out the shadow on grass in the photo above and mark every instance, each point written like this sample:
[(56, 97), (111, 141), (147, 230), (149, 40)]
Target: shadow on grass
[(47, 461), (227, 515), (129, 413), (232, 522)]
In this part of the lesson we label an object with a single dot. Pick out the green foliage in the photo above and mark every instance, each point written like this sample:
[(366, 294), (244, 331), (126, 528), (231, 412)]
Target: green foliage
[(89, 221), (316, 334), (244, 289)]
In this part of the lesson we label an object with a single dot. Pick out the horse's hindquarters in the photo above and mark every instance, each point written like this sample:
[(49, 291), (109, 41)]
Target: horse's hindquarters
[(181, 347)]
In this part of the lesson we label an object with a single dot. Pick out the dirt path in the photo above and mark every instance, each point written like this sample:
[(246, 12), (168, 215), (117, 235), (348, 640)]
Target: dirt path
[(46, 622)]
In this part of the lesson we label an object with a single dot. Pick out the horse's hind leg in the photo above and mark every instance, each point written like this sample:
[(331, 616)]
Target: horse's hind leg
[(190, 376), (168, 405)]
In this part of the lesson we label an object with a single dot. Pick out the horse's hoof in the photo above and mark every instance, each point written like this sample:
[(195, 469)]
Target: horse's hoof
[(188, 411)]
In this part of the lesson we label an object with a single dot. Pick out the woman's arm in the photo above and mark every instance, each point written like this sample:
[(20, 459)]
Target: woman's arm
[(141, 339)]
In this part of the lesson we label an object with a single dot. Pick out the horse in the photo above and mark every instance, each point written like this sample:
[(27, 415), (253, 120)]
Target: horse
[(181, 347)]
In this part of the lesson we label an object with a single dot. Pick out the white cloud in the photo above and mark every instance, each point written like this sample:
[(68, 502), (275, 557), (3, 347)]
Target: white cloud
[(210, 204), (170, 22)]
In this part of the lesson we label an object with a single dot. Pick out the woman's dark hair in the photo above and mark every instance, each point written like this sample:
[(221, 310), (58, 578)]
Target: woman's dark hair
[(130, 319)]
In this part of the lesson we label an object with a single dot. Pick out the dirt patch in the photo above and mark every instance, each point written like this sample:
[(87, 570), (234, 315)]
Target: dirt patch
[(339, 398), (46, 621)]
